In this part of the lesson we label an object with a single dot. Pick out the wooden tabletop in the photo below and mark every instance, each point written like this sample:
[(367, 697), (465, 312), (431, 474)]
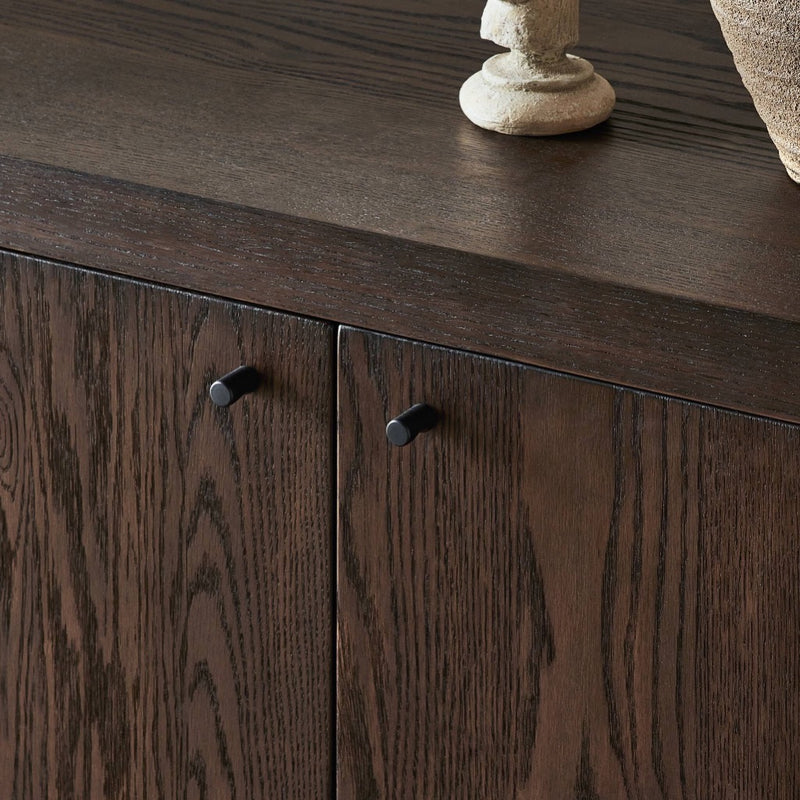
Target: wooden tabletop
[(312, 157)]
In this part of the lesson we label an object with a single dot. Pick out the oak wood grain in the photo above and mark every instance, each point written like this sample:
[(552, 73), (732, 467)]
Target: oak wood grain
[(322, 166), (165, 620), (417, 51), (352, 118), (563, 590), (749, 585), (703, 346)]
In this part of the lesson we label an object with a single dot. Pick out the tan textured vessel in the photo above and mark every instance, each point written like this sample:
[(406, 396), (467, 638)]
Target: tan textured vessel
[(764, 38)]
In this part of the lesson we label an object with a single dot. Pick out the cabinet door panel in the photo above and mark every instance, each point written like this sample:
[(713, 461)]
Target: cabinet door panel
[(165, 625), (564, 590)]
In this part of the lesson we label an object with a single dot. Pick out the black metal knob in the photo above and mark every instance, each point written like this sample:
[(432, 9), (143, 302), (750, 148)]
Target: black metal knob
[(229, 388), (405, 428)]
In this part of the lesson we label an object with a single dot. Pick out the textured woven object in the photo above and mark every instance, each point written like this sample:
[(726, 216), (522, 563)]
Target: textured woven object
[(764, 38)]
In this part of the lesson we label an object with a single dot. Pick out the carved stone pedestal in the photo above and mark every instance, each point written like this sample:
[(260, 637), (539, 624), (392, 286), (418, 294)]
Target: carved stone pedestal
[(537, 89)]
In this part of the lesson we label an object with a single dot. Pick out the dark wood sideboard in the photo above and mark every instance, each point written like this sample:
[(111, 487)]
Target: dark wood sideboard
[(583, 582)]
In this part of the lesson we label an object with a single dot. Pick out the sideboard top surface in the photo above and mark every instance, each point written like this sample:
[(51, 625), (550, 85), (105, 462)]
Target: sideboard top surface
[(313, 157)]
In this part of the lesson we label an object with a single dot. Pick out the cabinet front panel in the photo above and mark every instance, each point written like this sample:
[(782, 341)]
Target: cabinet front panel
[(165, 625), (563, 590)]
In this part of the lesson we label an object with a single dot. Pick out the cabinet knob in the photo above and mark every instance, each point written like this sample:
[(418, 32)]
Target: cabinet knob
[(229, 388), (406, 427)]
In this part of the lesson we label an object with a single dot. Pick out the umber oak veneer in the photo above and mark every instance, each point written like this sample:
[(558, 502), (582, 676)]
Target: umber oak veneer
[(314, 158), (165, 614), (703, 349), (564, 590)]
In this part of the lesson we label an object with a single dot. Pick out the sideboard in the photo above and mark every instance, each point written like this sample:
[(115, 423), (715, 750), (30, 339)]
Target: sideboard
[(583, 581)]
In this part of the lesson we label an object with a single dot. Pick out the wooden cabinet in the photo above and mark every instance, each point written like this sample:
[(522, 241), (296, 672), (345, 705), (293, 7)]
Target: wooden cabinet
[(165, 564), (583, 583), (565, 589)]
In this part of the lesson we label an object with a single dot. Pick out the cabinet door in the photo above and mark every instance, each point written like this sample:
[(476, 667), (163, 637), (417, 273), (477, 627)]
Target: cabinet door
[(165, 587), (564, 590)]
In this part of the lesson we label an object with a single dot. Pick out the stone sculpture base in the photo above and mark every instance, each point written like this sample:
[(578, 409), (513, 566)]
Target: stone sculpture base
[(513, 95)]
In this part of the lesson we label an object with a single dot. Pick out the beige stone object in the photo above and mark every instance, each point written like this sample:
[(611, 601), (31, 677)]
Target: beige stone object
[(537, 89), (764, 38)]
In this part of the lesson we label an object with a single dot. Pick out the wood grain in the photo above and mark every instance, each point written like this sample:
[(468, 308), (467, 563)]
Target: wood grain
[(703, 346), (564, 590), (314, 159), (420, 52), (165, 621), (749, 582), (351, 118)]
